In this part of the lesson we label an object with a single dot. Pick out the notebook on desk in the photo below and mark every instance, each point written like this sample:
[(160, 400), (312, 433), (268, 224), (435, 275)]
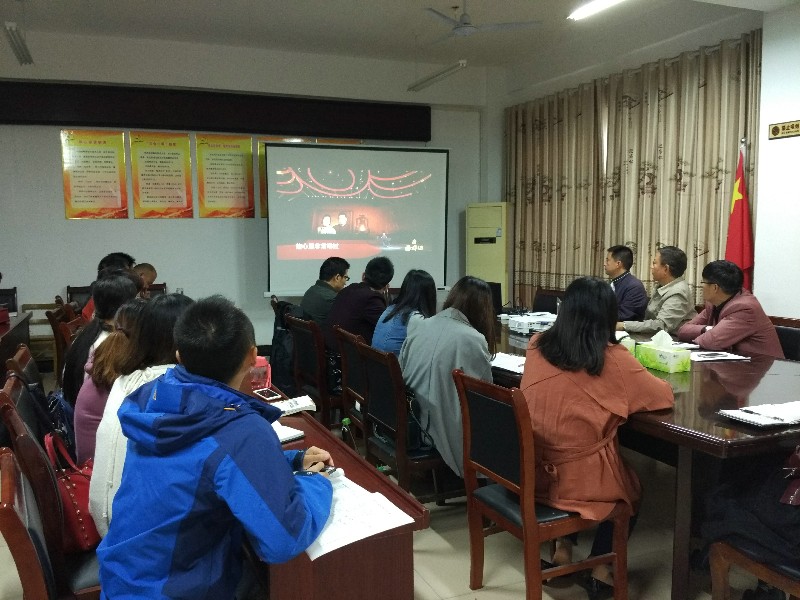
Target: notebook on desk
[(286, 434), (767, 415)]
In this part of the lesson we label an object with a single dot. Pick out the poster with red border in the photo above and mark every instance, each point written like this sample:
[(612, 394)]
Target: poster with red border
[(161, 168), (95, 184), (225, 175), (262, 176)]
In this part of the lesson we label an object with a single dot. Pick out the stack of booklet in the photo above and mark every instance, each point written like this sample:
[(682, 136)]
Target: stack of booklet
[(290, 407), (767, 415)]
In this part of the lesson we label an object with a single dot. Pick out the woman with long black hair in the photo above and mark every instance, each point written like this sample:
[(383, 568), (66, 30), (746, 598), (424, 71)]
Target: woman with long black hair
[(416, 300), (581, 385)]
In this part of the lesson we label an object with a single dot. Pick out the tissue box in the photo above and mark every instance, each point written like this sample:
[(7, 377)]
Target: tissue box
[(680, 382), (663, 359)]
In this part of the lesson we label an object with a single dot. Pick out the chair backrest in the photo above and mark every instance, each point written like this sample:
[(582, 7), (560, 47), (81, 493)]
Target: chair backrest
[(309, 356), (21, 527), (546, 300), (79, 294), (22, 364), (789, 338), (281, 354), (27, 405), (788, 331), (71, 309), (387, 404), (498, 435), (354, 379), (497, 296), (36, 467), (8, 296), (68, 330), (157, 289), (54, 317)]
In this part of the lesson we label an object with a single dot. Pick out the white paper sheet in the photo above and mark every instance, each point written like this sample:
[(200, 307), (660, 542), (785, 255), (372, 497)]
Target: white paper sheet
[(509, 362), (355, 514)]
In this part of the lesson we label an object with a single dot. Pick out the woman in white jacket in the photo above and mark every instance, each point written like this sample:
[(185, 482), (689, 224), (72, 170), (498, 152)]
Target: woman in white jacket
[(152, 352)]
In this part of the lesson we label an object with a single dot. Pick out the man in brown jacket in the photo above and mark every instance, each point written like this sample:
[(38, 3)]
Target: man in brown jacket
[(733, 319)]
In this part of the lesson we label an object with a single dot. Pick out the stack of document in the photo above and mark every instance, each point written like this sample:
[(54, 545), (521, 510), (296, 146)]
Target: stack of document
[(767, 415), (355, 514)]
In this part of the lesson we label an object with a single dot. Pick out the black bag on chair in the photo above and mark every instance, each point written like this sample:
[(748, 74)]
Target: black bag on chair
[(418, 436), (333, 366)]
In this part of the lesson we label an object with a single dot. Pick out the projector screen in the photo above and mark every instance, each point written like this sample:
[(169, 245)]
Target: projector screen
[(356, 203)]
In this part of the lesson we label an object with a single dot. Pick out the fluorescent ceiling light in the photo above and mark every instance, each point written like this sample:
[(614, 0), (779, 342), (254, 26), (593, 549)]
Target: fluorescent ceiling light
[(17, 42), (592, 8), (436, 77)]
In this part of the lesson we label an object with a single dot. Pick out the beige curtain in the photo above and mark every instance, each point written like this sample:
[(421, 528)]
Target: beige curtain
[(644, 158)]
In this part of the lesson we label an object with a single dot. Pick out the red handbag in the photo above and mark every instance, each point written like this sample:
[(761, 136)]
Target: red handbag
[(79, 533)]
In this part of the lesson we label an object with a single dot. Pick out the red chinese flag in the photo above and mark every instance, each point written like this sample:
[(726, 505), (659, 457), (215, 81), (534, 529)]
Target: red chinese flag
[(739, 248)]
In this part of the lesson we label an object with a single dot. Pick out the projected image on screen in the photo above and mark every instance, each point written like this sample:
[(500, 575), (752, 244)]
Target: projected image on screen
[(355, 203)]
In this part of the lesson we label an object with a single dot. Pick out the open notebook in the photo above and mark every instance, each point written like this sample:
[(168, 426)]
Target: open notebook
[(767, 415)]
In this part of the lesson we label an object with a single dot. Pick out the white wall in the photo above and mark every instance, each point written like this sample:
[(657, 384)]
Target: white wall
[(202, 256), (43, 252), (777, 244)]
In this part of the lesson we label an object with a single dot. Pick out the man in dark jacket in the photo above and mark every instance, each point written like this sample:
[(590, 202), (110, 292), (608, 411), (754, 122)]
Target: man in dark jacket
[(318, 299), (204, 469), (630, 292), (358, 307)]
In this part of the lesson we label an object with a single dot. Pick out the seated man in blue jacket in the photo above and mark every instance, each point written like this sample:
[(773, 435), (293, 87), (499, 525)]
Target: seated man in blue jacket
[(204, 469)]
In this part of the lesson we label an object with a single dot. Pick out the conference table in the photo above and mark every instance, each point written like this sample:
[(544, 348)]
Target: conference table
[(17, 331), (693, 430), (379, 566)]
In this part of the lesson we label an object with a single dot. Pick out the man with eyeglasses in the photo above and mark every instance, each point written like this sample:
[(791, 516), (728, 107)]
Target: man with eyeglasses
[(318, 299), (732, 319)]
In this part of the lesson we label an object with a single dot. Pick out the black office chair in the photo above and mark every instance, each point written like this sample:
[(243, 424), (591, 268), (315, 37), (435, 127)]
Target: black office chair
[(354, 378), (75, 575), (310, 367), (498, 444), (386, 421), (725, 554), (79, 294), (8, 297), (546, 300), (790, 341), (22, 364), (157, 289)]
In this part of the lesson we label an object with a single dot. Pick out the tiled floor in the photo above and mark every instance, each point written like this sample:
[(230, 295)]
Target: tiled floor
[(441, 553)]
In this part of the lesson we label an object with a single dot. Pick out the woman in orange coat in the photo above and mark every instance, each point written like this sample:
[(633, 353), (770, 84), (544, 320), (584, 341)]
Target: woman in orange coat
[(581, 385)]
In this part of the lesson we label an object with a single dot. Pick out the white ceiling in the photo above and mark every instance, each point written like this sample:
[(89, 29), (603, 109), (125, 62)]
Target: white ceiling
[(399, 29)]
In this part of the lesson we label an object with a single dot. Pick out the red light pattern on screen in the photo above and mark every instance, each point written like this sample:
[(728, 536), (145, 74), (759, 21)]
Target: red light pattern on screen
[(400, 186)]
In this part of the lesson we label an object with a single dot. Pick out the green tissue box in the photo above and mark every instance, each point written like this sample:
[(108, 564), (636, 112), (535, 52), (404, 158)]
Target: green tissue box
[(663, 359)]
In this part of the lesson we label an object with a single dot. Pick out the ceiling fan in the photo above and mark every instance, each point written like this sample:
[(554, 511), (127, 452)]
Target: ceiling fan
[(463, 26)]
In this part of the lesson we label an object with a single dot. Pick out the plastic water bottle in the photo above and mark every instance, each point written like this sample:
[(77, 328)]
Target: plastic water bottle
[(260, 374), (347, 434)]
